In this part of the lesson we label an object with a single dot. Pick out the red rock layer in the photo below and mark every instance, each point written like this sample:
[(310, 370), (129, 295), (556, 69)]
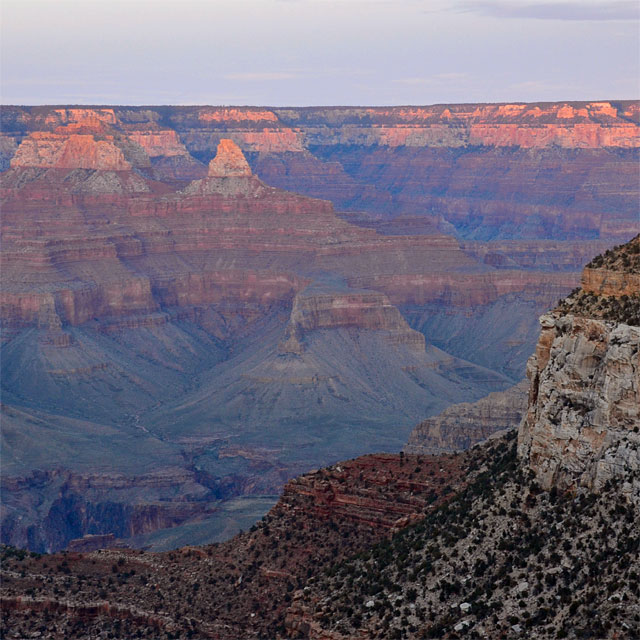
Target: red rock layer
[(356, 491), (229, 162), (93, 255), (607, 282)]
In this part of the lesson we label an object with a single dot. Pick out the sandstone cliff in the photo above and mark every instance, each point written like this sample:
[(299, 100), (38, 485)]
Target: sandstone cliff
[(229, 161), (229, 174), (74, 151), (583, 417)]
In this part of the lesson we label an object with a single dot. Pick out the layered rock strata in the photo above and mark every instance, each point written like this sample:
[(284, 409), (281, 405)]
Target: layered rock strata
[(145, 296), (464, 425), (552, 170), (323, 516), (368, 311)]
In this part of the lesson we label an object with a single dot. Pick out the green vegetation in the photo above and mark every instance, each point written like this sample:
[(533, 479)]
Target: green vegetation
[(615, 309), (624, 257), (503, 556)]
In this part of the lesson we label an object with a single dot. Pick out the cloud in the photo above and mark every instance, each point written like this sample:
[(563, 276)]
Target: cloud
[(581, 10), (260, 76)]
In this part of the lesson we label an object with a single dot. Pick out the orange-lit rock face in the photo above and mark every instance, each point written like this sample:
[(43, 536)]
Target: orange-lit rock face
[(75, 151), (606, 282), (575, 125), (229, 162), (159, 143), (271, 141), (237, 115), (80, 116)]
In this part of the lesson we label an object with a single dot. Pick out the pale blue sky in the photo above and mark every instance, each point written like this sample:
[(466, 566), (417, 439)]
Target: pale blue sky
[(317, 52)]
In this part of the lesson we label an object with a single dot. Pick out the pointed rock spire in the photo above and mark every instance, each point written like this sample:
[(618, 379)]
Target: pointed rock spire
[(229, 161)]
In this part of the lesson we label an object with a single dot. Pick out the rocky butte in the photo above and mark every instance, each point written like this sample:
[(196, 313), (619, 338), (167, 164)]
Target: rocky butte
[(240, 295)]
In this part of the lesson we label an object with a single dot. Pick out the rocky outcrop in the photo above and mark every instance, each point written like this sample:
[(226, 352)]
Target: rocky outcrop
[(93, 542), (429, 580), (229, 161), (607, 282), (158, 142), (581, 426), (462, 426), (367, 311), (383, 491), (614, 273), (583, 418), (69, 151)]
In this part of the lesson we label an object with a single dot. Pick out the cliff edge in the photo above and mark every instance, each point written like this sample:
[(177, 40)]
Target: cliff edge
[(583, 417)]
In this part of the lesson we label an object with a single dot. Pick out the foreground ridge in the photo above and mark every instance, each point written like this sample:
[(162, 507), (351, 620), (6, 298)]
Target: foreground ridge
[(239, 588), (503, 559)]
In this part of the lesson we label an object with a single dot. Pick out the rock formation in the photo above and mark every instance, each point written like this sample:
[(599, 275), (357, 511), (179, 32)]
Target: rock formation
[(583, 418), (69, 151), (365, 311), (462, 426), (229, 174), (229, 161), (547, 170)]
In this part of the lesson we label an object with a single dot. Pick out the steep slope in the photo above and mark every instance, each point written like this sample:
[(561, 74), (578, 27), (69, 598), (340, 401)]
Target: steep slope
[(583, 418), (346, 376)]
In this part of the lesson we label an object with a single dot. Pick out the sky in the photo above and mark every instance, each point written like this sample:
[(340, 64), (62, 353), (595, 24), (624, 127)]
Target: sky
[(317, 52)]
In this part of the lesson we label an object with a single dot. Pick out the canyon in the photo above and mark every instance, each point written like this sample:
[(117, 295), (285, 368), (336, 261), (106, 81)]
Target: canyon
[(240, 295), (530, 532)]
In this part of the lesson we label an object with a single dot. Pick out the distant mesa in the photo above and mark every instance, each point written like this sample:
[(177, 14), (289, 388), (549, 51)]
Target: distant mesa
[(229, 161), (63, 151)]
